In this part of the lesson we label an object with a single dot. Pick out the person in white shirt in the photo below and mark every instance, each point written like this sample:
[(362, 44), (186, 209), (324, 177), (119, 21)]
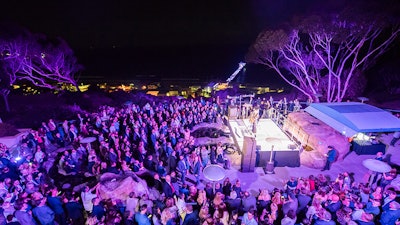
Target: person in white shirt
[(87, 196), (132, 204)]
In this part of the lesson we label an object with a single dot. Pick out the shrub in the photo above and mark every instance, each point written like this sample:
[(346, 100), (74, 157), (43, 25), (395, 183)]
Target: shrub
[(7, 129)]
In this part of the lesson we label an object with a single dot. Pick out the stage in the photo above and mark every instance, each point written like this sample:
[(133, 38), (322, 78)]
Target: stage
[(268, 134)]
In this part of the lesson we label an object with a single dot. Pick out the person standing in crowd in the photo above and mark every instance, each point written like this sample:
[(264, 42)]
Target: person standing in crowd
[(55, 203), (98, 209), (330, 158), (182, 168), (196, 169), (132, 204), (141, 217), (87, 196), (171, 161), (248, 218), (391, 215), (248, 202), (22, 213), (191, 217), (74, 211), (43, 213)]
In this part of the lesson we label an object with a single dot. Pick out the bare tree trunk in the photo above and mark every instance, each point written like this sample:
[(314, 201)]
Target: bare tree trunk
[(5, 94)]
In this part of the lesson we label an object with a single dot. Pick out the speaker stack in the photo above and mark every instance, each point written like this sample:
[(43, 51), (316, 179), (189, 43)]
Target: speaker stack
[(249, 154)]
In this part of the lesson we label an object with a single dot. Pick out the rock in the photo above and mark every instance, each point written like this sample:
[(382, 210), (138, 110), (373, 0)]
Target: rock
[(315, 135), (116, 186), (313, 159), (212, 141)]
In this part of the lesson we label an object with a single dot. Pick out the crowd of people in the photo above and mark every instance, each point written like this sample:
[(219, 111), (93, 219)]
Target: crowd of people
[(156, 139)]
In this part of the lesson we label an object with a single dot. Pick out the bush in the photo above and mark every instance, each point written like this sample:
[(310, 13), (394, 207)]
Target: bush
[(7, 130)]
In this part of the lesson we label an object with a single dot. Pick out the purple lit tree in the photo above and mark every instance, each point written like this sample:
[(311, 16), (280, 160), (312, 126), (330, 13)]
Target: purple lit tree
[(36, 59), (321, 56), (50, 63)]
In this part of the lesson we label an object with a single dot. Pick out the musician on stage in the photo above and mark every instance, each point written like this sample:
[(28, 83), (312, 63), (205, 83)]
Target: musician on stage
[(254, 116)]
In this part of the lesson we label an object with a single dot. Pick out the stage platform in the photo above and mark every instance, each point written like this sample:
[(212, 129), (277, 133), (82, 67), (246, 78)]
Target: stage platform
[(267, 134)]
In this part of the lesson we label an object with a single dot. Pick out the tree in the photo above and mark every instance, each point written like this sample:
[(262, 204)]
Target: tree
[(321, 55), (43, 62)]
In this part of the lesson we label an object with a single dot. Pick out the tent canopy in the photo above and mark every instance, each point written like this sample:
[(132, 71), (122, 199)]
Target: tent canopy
[(350, 118)]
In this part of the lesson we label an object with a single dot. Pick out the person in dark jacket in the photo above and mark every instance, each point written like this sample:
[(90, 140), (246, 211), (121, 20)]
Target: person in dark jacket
[(55, 203), (158, 185), (191, 217), (98, 209), (75, 211), (172, 162), (391, 215), (141, 216), (196, 169), (22, 214), (168, 188), (182, 168), (43, 213), (304, 200), (330, 158)]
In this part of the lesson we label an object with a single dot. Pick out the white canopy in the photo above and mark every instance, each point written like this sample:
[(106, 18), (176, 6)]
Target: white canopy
[(350, 118)]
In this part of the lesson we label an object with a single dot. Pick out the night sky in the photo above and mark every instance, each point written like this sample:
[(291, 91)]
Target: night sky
[(126, 39)]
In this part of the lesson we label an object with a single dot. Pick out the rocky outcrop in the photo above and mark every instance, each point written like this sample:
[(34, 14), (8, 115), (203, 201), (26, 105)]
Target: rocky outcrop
[(315, 136), (115, 186)]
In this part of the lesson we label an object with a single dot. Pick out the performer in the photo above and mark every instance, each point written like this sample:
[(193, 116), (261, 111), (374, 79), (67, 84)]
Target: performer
[(254, 116)]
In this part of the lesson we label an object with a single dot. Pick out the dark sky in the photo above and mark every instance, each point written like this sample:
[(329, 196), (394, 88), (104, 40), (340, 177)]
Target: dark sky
[(163, 38), (106, 23)]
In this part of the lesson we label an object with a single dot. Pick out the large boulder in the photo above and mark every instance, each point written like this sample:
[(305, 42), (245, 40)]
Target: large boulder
[(116, 186), (212, 141), (218, 126), (313, 159), (315, 136)]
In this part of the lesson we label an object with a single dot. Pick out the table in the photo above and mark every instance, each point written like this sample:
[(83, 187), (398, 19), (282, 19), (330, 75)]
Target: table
[(88, 140), (214, 173), (376, 165), (367, 148)]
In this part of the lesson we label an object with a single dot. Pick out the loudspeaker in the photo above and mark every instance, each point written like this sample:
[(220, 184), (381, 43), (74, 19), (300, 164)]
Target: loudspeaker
[(249, 154)]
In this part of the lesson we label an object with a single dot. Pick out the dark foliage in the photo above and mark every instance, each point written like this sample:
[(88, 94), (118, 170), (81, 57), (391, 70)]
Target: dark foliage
[(7, 129)]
